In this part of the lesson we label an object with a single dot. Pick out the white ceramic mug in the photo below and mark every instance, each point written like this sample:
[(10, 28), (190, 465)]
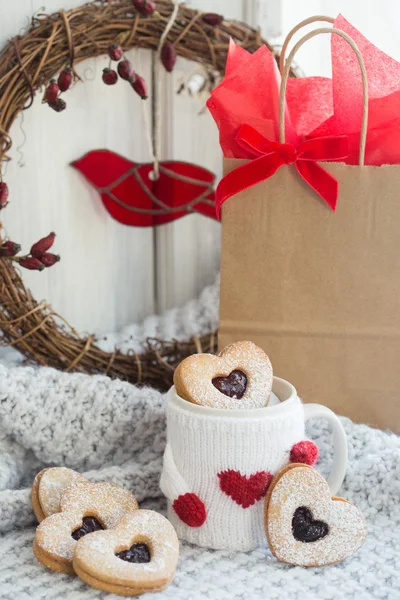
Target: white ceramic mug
[(210, 449)]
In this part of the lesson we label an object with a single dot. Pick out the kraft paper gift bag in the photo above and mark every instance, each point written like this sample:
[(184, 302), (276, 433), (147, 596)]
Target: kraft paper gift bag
[(318, 289)]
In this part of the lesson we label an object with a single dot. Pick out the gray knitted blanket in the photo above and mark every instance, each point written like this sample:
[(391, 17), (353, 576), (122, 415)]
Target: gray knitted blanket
[(113, 431)]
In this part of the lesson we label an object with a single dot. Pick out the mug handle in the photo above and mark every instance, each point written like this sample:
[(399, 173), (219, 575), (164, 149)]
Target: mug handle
[(340, 455)]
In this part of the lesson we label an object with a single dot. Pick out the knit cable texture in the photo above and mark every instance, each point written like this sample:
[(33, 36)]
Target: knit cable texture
[(228, 463), (113, 431)]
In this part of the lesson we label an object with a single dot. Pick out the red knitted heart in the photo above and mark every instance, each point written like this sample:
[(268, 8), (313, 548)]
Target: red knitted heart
[(245, 490)]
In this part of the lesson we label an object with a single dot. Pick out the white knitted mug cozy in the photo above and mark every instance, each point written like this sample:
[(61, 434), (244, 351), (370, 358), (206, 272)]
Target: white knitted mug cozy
[(219, 463)]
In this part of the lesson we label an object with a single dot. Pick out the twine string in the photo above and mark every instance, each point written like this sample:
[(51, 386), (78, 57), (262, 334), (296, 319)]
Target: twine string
[(146, 120), (154, 142)]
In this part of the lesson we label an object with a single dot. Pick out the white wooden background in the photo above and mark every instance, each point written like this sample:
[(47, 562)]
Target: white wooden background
[(111, 275)]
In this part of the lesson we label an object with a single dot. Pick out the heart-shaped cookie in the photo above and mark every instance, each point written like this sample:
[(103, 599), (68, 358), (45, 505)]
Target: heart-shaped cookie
[(240, 377), (48, 487), (304, 525), (84, 508), (140, 555)]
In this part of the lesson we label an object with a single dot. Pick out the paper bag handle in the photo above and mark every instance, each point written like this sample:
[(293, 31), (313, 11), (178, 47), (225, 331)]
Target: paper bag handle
[(285, 75), (295, 30)]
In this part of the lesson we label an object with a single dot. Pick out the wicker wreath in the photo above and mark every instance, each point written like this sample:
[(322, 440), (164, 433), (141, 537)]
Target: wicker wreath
[(27, 63)]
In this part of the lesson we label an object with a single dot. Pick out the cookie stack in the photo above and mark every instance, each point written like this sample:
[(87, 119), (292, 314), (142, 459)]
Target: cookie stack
[(128, 552)]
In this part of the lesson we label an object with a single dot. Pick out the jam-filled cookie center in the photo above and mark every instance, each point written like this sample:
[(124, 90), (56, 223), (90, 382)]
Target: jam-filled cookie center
[(305, 528), (234, 385), (89, 525), (138, 553)]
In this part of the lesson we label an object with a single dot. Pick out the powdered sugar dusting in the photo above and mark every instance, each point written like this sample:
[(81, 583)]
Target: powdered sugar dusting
[(193, 377), (53, 483), (95, 553), (303, 486), (107, 502)]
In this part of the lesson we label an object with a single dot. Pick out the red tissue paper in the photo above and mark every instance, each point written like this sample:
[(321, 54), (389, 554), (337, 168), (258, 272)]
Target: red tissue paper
[(315, 106)]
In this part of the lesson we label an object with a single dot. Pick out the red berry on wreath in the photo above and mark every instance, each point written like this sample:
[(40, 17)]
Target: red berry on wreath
[(43, 245), (213, 19), (110, 77), (51, 92), (115, 52), (33, 264), (48, 259), (9, 249), (65, 79), (145, 7), (139, 85), (58, 105), (168, 56), (3, 194), (125, 69)]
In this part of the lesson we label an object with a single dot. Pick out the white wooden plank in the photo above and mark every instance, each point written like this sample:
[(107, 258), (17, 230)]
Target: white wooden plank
[(378, 21), (105, 278), (372, 18), (314, 57), (188, 251), (265, 14)]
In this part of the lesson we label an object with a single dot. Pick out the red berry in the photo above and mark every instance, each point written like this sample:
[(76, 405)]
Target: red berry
[(115, 51), (168, 56), (3, 194), (139, 85), (304, 452), (33, 264), (51, 92), (110, 77), (213, 19), (9, 249), (48, 259), (43, 245), (125, 69), (58, 105), (65, 79), (145, 7)]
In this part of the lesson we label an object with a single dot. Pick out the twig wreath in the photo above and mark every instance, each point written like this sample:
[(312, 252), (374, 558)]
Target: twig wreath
[(57, 43)]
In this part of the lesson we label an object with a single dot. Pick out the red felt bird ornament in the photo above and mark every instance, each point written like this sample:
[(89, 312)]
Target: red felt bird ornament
[(132, 197)]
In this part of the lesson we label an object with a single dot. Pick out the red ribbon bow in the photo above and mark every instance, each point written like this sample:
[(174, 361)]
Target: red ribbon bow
[(269, 156)]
